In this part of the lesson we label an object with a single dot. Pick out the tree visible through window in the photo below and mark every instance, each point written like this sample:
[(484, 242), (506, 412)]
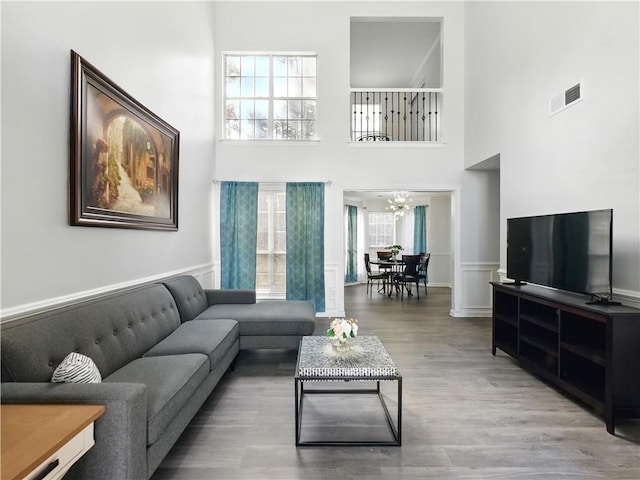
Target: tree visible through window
[(271, 271), (270, 97)]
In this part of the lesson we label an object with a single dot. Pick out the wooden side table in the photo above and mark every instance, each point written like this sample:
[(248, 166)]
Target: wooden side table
[(44, 441)]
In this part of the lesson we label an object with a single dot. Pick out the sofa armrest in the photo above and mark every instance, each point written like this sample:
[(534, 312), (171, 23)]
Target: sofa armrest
[(215, 297), (120, 434)]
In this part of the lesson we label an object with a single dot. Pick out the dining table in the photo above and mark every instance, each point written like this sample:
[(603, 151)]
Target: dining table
[(393, 267)]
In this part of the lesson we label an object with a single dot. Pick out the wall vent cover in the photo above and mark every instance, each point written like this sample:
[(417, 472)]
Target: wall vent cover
[(563, 100)]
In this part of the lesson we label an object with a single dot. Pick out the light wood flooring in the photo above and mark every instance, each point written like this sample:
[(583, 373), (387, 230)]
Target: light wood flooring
[(466, 413)]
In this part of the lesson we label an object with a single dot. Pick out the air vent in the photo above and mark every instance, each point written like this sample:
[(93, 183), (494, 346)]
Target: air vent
[(569, 97)]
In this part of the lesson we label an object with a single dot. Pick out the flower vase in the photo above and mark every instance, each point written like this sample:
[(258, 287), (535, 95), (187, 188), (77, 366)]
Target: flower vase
[(341, 346)]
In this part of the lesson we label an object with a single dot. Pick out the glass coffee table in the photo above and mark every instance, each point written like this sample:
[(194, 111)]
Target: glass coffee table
[(367, 361)]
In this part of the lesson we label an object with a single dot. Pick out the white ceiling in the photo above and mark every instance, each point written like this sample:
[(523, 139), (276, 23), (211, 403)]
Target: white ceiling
[(388, 52)]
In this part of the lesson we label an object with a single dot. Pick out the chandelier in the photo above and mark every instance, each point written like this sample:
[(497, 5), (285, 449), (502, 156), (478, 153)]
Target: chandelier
[(399, 203)]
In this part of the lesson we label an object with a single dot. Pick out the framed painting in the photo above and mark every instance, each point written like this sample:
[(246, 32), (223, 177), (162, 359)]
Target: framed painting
[(124, 158)]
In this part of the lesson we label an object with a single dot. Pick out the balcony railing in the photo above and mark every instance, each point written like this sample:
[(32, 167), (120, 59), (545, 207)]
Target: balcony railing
[(406, 115)]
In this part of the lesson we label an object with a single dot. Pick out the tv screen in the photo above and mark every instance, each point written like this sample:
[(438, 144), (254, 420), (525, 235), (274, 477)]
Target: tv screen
[(569, 251)]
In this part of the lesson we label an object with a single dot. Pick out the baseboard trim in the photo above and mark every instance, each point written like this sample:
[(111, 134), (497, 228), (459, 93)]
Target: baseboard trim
[(50, 304), (471, 312)]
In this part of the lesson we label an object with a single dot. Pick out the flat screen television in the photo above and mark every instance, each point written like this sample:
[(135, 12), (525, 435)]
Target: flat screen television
[(568, 251)]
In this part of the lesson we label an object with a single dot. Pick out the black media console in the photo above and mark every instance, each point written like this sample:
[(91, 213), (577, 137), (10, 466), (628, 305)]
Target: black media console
[(591, 352)]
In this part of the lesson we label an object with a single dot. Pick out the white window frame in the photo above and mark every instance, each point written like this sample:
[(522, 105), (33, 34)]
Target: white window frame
[(393, 222), (271, 99)]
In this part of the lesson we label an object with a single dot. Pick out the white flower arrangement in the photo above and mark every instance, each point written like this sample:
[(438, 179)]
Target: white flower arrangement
[(343, 329)]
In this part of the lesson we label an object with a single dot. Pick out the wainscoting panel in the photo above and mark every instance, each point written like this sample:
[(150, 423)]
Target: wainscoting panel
[(204, 274), (475, 288), (626, 297), (334, 291)]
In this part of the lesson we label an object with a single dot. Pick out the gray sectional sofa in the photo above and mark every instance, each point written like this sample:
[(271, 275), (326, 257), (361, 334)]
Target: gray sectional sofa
[(161, 349)]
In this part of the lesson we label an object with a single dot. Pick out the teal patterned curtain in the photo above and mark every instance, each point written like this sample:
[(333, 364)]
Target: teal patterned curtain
[(352, 245), (305, 243), (420, 229), (238, 234)]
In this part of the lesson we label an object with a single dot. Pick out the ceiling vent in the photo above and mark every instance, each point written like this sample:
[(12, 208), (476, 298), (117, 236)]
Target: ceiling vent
[(569, 97)]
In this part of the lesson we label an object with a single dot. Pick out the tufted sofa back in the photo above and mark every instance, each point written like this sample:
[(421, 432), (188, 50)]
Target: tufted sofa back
[(111, 330), (189, 296)]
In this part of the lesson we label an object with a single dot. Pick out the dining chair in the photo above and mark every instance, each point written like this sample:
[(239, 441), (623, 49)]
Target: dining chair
[(409, 275), (384, 256), (371, 277), (423, 274)]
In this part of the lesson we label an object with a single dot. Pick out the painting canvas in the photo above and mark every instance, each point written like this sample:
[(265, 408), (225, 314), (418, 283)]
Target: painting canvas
[(124, 158)]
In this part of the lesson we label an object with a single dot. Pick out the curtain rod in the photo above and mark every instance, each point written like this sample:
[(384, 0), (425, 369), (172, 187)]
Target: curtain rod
[(326, 182)]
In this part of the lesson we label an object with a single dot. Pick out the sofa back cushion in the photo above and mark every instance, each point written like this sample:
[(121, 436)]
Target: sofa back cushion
[(111, 330), (188, 295)]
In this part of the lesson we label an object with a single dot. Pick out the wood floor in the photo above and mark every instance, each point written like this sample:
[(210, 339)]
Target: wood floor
[(466, 413)]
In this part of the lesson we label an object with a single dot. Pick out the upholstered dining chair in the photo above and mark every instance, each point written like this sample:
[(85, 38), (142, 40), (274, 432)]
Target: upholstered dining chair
[(372, 277), (409, 275)]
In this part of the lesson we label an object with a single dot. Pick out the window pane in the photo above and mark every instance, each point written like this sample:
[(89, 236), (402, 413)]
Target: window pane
[(247, 87), (262, 66), (262, 109), (232, 111), (295, 66), (233, 66), (294, 109), (309, 109), (246, 127), (262, 87), (309, 66), (279, 109), (247, 66), (279, 66), (295, 87), (262, 128), (308, 87), (309, 130), (246, 109), (233, 86), (279, 87), (233, 129)]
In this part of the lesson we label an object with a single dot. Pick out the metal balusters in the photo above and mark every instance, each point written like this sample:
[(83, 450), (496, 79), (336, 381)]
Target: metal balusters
[(396, 115)]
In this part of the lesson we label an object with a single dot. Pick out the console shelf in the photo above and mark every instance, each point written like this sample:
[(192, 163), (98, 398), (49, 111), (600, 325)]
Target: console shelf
[(591, 352)]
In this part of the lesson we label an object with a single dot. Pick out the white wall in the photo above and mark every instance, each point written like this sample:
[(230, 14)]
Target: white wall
[(518, 55), (323, 28), (161, 54)]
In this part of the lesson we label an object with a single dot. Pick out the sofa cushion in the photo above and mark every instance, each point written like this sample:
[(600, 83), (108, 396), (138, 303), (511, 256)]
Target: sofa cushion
[(189, 296), (170, 380), (272, 317), (212, 338)]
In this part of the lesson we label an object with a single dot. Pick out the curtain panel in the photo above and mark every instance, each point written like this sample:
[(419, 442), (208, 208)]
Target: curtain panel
[(351, 275), (238, 234), (420, 229), (305, 243)]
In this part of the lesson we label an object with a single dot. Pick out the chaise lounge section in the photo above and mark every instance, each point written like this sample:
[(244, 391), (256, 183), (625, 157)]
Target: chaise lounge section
[(160, 351)]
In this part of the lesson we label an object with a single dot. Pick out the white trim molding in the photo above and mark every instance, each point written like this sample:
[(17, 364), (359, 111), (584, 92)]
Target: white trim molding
[(476, 294), (334, 291), (202, 272)]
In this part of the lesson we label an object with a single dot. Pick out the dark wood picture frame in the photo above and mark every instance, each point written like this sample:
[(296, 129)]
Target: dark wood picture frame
[(123, 157)]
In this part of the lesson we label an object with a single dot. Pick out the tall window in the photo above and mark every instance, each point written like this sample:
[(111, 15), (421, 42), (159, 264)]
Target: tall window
[(270, 97), (382, 229), (271, 264)]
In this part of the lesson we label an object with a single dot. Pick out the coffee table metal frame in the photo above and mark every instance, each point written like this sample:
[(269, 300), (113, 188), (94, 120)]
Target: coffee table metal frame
[(341, 374)]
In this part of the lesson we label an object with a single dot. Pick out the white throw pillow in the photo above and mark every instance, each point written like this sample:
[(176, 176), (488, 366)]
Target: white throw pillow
[(76, 368)]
